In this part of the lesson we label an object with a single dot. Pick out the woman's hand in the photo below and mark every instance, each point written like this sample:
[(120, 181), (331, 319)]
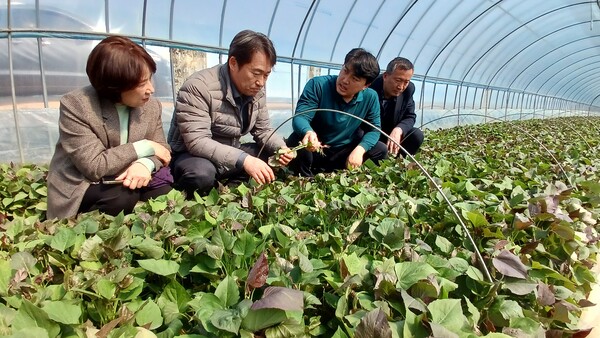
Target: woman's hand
[(136, 176), (160, 151)]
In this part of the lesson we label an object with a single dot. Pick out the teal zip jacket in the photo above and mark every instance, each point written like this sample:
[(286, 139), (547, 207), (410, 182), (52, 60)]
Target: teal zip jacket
[(334, 129)]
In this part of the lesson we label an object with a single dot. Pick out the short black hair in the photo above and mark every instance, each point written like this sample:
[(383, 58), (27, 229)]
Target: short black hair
[(247, 42), (117, 65), (399, 63), (363, 64)]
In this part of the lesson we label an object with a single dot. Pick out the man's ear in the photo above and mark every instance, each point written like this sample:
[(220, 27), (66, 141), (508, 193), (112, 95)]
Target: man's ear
[(233, 62)]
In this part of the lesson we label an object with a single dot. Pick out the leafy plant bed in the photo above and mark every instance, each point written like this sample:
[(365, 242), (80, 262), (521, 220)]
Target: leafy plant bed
[(374, 252)]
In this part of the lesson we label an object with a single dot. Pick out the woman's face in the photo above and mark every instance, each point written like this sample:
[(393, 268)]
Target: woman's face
[(139, 95)]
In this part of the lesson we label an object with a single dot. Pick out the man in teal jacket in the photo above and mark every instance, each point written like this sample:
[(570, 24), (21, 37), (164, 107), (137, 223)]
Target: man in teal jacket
[(337, 137)]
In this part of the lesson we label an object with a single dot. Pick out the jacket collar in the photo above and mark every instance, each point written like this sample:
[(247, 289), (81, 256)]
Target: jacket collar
[(377, 86), (111, 123)]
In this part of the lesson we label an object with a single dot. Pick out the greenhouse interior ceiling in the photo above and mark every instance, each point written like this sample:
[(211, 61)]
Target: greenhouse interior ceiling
[(479, 60)]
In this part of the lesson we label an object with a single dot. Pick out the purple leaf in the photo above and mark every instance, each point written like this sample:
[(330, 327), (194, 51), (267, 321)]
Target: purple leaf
[(276, 297), (509, 265), (374, 325), (545, 295), (258, 274)]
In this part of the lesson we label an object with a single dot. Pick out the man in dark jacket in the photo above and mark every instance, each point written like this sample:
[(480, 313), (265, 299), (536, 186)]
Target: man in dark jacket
[(398, 116)]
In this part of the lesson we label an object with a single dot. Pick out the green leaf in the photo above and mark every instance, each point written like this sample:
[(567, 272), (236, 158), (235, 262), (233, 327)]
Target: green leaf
[(227, 291), (341, 308), (199, 229), (447, 313), (475, 315), (22, 260), (63, 312), (305, 263), (215, 251), (227, 320), (527, 325), (443, 244), (260, 319), (213, 197), (520, 287), (354, 264), (223, 238), (287, 329), (476, 218), (148, 247), (205, 304), (176, 293), (116, 237), (5, 274), (19, 196), (169, 310), (88, 225), (475, 274), (408, 273), (36, 332), (245, 245), (133, 290), (63, 239), (157, 205), (106, 288), (161, 267), (439, 331), (413, 327), (91, 249), (149, 314), (339, 333), (502, 311), (30, 316), (498, 335)]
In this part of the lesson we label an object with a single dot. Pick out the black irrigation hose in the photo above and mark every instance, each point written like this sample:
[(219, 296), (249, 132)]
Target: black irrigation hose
[(439, 189)]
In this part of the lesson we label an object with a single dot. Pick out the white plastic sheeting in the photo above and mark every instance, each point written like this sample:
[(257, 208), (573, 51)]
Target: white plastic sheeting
[(499, 59)]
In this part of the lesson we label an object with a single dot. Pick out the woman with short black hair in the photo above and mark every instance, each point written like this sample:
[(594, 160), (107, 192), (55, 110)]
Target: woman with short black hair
[(111, 152)]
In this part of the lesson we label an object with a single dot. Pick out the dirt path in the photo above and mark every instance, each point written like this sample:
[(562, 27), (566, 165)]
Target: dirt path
[(590, 317)]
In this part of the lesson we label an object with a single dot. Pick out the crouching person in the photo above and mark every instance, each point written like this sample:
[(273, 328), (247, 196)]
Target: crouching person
[(337, 141), (111, 152), (217, 106)]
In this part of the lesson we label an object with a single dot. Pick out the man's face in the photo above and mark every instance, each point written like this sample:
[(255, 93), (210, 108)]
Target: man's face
[(250, 78), (348, 84), (395, 83)]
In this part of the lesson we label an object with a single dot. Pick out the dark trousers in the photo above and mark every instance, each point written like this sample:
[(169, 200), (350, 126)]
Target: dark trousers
[(114, 198), (411, 141), (308, 163), (199, 174)]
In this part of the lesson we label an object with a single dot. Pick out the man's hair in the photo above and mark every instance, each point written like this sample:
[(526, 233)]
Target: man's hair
[(247, 42), (116, 65), (399, 63), (363, 64)]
